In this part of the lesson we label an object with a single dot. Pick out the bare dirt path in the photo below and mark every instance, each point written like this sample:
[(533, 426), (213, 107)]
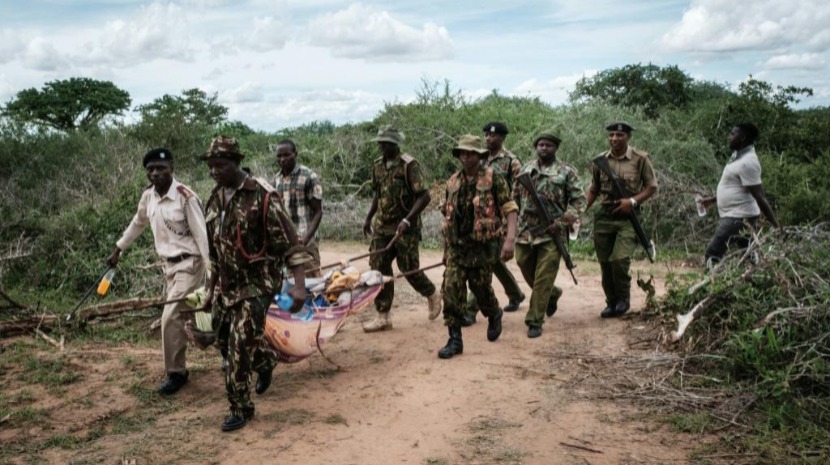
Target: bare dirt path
[(517, 400)]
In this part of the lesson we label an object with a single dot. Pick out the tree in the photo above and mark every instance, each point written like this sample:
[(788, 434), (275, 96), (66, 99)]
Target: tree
[(67, 105), (194, 106), (648, 86)]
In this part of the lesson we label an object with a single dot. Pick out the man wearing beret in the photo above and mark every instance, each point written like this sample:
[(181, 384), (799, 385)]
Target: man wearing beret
[(251, 237), (174, 214), (558, 186), (400, 195), (478, 210), (614, 238), (506, 165)]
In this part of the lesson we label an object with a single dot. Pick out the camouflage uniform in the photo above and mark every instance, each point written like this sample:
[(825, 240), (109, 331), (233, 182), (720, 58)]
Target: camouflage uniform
[(538, 258), (248, 248), (508, 166), (396, 187), (614, 237), (473, 220)]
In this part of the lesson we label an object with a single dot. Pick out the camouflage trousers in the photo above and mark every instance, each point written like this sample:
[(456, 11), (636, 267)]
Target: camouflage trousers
[(615, 243), (505, 277), (539, 264), (405, 251), (239, 335), (456, 279)]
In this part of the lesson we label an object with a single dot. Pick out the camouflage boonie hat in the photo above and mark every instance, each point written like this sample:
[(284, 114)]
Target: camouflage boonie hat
[(223, 147), (550, 135), (389, 133), (469, 142)]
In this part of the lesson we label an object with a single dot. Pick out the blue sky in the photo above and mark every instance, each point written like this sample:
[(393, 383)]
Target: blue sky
[(279, 63)]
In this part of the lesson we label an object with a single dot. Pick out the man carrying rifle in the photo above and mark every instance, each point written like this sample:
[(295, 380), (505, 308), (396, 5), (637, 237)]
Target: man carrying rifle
[(623, 178), (550, 197)]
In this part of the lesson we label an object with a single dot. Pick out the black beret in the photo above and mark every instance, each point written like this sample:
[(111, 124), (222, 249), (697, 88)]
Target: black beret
[(159, 154), (621, 126), (547, 136), (495, 127)]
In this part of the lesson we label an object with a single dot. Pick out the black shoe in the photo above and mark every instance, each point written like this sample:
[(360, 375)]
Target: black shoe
[(233, 422), (494, 327), (552, 307), (618, 309), (173, 383), (468, 319), (513, 305), (534, 331), (263, 381), (455, 345)]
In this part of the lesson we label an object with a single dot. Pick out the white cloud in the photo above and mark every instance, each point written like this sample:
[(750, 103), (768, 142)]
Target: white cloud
[(156, 32), (725, 25), (362, 32), (10, 45), (300, 108), (264, 35), (796, 61), (554, 91), (41, 55), (246, 93)]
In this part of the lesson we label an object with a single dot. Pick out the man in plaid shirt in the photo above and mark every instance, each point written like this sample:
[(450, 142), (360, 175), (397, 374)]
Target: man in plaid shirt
[(302, 196)]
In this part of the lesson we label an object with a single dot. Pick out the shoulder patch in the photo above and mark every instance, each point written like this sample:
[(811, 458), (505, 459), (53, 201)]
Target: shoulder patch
[(407, 159), (187, 193)]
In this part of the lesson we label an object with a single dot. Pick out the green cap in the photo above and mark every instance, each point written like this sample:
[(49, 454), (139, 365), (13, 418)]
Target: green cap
[(223, 147), (389, 133), (469, 142)]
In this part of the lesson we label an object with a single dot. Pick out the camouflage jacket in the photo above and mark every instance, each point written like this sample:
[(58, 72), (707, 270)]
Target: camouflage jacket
[(506, 164), (560, 189), (396, 188), (248, 246), (473, 216)]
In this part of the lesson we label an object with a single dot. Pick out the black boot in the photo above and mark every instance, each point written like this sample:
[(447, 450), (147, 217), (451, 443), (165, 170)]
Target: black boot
[(494, 326), (455, 346)]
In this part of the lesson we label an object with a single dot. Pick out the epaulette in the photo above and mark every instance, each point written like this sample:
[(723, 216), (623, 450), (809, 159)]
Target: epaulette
[(265, 184), (187, 193), (639, 152), (407, 159)]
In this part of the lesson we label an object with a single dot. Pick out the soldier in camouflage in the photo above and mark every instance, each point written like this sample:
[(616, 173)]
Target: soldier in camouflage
[(505, 164), (250, 237), (476, 209), (400, 195), (557, 184), (614, 236)]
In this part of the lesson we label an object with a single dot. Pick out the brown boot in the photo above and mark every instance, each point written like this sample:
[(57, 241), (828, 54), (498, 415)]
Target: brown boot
[(380, 323), (435, 303)]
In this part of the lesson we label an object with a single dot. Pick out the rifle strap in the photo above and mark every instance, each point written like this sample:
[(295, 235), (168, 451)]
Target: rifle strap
[(602, 163)]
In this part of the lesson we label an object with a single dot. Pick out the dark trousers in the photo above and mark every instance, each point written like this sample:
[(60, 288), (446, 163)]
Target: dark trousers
[(731, 232)]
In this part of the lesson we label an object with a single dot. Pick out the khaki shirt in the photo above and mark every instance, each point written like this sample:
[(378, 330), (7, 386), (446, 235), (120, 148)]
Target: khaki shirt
[(634, 169), (176, 220)]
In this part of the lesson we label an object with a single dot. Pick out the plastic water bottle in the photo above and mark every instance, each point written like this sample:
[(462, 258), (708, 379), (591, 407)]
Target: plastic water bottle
[(285, 302), (701, 210), (106, 281)]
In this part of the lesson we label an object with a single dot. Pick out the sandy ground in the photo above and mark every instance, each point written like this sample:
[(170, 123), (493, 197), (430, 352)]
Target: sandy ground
[(516, 400)]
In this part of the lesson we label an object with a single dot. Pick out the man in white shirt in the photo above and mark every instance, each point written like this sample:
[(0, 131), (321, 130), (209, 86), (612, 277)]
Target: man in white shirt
[(740, 195), (174, 213)]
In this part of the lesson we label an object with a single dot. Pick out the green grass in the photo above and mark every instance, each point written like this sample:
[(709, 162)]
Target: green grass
[(693, 423), (335, 419)]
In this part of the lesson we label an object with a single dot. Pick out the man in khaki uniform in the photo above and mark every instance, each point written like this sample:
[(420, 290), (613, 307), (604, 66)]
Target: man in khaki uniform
[(614, 236), (174, 213)]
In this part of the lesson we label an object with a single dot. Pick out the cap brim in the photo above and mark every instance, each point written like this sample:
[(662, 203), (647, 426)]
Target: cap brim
[(385, 139), (456, 150), (228, 155)]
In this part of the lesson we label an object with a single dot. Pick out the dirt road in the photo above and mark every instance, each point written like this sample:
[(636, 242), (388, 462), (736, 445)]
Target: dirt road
[(517, 400)]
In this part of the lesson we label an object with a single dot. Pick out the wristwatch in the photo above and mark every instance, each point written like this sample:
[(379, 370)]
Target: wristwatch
[(633, 202)]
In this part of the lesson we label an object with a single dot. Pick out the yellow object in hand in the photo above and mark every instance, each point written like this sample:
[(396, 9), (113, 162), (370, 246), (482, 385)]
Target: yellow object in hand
[(196, 299)]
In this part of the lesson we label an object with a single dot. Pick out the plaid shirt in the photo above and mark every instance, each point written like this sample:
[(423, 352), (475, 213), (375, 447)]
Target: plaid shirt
[(295, 190)]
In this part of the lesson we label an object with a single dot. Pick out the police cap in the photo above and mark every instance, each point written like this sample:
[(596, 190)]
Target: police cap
[(495, 127), (159, 154), (620, 126)]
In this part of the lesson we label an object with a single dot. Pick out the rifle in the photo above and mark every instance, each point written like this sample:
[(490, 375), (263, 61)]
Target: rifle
[(602, 164), (547, 220)]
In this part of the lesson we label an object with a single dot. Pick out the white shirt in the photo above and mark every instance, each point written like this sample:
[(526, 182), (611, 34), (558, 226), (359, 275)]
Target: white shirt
[(734, 198), (177, 222)]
